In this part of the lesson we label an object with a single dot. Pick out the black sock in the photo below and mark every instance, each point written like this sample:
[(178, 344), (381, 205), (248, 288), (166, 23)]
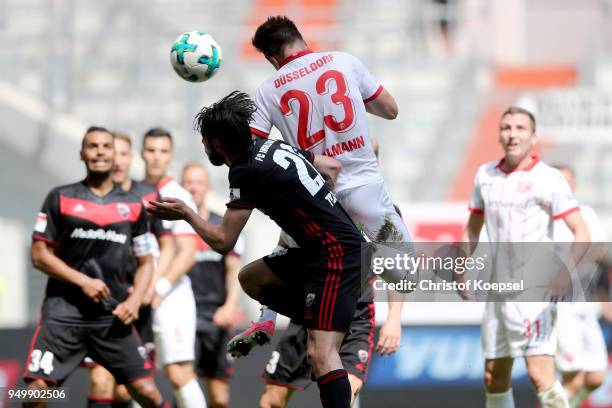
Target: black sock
[(335, 389), (94, 402), (121, 404), (285, 300)]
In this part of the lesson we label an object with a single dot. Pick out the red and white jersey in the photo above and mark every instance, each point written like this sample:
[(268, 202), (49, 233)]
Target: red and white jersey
[(522, 205), (317, 102), (564, 234), (170, 188)]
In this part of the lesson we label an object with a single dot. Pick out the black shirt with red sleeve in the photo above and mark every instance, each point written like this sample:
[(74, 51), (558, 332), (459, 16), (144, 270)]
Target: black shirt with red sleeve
[(281, 181), (94, 235)]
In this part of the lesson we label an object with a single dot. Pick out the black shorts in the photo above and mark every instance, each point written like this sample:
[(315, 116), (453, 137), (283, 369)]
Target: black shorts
[(57, 350), (144, 327), (288, 365), (331, 286), (212, 360)]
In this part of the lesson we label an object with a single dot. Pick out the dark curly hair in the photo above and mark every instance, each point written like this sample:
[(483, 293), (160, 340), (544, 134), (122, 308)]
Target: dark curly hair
[(228, 121)]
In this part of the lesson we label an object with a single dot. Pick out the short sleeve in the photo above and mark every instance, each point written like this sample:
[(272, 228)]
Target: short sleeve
[(47, 226), (477, 205), (261, 122), (242, 189), (368, 85), (141, 237), (562, 201)]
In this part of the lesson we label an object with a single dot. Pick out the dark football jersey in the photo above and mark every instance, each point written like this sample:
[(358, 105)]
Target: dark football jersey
[(93, 235), (208, 278), (280, 180)]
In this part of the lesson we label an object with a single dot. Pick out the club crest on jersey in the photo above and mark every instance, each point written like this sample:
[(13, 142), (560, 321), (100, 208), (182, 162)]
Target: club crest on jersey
[(309, 299), (41, 222), (124, 210), (363, 356), (524, 186), (234, 194)]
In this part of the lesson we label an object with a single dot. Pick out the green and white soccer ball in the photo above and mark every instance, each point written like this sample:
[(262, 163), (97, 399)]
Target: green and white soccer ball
[(196, 56)]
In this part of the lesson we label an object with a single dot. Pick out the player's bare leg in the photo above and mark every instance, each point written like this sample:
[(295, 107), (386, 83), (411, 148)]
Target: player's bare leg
[(497, 381), (101, 384), (356, 385), (579, 384), (275, 396), (541, 371), (145, 392), (36, 385), (218, 393), (185, 384), (323, 348)]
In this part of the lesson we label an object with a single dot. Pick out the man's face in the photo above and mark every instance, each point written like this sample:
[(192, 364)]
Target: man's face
[(216, 158), (569, 176), (157, 154), (98, 153), (516, 135), (123, 160), (195, 180)]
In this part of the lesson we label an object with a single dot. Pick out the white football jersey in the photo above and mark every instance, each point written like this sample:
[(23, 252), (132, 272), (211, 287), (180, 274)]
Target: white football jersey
[(171, 189), (521, 206), (317, 102), (563, 234)]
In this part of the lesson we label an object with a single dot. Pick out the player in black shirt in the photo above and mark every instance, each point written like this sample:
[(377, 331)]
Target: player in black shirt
[(104, 392), (84, 238), (214, 280), (317, 283)]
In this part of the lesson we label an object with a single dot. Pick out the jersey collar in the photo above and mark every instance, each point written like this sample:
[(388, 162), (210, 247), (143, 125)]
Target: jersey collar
[(534, 160), (295, 56), (163, 182)]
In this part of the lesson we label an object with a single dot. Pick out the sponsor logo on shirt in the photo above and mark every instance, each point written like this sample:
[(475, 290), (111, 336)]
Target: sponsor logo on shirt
[(103, 235), (123, 210), (41, 222)]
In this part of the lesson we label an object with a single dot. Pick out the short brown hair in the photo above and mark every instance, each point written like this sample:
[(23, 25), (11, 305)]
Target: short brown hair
[(274, 35), (157, 132), (122, 136), (513, 110)]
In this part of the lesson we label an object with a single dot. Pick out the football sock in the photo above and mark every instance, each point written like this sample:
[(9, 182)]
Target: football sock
[(554, 397), (577, 399), (500, 400), (335, 389), (121, 404), (267, 314), (94, 402), (190, 395)]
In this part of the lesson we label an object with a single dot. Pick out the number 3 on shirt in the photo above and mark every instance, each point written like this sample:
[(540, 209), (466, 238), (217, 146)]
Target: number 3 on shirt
[(340, 97)]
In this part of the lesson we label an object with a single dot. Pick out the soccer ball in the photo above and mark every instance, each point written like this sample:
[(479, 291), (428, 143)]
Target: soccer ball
[(195, 56)]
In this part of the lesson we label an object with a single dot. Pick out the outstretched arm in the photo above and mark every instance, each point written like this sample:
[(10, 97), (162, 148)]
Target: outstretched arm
[(221, 238)]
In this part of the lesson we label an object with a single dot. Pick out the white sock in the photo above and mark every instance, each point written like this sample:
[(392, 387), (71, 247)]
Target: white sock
[(190, 395), (267, 314), (576, 400), (554, 397), (500, 400)]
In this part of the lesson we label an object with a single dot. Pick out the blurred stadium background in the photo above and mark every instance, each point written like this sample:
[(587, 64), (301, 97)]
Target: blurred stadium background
[(453, 66)]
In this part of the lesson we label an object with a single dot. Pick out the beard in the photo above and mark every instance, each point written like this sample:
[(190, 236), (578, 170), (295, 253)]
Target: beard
[(216, 159), (96, 175)]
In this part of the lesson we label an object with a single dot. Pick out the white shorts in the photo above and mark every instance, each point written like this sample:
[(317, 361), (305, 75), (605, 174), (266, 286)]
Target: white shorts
[(174, 324), (581, 344), (371, 209), (519, 329)]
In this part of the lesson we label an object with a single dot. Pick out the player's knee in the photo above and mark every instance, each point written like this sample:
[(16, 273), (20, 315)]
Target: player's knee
[(594, 380), (496, 383), (179, 374), (102, 383), (145, 392), (538, 377), (272, 399), (249, 283), (121, 393)]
